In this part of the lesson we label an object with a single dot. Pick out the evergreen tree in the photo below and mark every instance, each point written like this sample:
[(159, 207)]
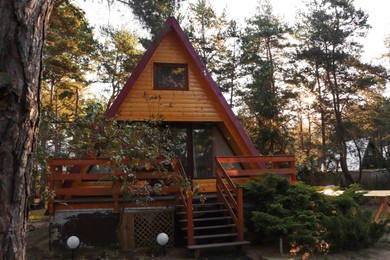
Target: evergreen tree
[(207, 33), (152, 14), (119, 55), (229, 71), (69, 53), (263, 44), (22, 28), (329, 30)]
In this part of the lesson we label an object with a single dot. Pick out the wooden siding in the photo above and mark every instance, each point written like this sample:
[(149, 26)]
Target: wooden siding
[(197, 104)]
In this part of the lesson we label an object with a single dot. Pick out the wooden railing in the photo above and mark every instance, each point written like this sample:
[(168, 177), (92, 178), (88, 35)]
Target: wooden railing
[(253, 166), (231, 196), (248, 167), (185, 195), (69, 178)]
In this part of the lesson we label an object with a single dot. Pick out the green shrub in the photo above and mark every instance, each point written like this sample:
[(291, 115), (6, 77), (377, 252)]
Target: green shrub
[(308, 220), (352, 230)]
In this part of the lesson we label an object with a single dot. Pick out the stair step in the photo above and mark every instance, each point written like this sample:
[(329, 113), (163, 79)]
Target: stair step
[(214, 245), (181, 208), (216, 236), (207, 204), (211, 227), (206, 219), (203, 211), (210, 211), (208, 196)]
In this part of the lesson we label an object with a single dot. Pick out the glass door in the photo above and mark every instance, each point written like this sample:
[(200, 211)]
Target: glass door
[(204, 152)]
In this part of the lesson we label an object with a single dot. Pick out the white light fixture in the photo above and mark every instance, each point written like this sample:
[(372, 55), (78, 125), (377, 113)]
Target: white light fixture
[(73, 242), (162, 240)]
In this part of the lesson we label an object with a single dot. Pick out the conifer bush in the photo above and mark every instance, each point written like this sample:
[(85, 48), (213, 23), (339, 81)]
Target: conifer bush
[(307, 220)]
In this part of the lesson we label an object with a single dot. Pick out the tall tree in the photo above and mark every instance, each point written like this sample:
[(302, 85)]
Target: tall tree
[(207, 32), (69, 53), (229, 70), (330, 29), (22, 27), (119, 55), (263, 43), (152, 14)]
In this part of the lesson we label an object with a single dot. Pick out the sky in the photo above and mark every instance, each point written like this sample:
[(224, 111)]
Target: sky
[(373, 43)]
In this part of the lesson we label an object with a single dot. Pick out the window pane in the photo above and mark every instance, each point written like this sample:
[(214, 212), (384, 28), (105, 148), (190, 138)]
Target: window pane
[(170, 76), (203, 153)]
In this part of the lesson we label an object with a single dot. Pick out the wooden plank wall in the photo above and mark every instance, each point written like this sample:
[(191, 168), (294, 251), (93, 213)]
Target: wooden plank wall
[(194, 105)]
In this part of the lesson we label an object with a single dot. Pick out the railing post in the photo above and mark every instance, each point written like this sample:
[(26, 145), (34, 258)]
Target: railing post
[(115, 191), (240, 214), (190, 224)]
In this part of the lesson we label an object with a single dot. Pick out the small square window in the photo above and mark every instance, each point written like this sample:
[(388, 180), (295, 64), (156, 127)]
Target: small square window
[(170, 76)]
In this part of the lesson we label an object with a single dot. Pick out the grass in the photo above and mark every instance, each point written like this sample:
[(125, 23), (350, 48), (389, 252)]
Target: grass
[(36, 215)]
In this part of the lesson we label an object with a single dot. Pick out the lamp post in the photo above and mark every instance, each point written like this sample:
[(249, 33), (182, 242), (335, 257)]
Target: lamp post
[(162, 240), (73, 242)]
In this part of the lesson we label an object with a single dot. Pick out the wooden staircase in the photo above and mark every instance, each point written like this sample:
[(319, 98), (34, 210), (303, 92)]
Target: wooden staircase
[(213, 227)]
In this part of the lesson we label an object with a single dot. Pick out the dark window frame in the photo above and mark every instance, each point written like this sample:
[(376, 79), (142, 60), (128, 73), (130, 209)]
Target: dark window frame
[(156, 84)]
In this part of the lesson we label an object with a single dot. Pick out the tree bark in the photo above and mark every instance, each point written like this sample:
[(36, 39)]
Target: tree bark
[(22, 27)]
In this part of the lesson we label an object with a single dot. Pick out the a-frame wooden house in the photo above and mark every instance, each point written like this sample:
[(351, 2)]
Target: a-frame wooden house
[(172, 70), (215, 154)]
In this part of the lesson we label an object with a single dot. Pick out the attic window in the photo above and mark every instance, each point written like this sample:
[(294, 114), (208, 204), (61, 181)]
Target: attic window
[(170, 76)]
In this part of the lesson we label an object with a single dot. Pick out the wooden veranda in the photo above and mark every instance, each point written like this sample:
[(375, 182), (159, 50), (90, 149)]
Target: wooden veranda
[(74, 186)]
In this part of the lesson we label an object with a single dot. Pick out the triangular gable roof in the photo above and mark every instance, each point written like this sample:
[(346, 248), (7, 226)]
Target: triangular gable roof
[(172, 24)]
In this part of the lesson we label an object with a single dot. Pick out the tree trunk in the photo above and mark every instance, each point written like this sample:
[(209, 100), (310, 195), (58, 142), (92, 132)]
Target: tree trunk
[(22, 27), (322, 119)]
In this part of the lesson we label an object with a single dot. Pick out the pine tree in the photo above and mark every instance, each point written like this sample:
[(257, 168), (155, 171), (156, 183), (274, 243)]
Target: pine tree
[(119, 55), (329, 30), (69, 53), (152, 14), (207, 33), (263, 44), (23, 23)]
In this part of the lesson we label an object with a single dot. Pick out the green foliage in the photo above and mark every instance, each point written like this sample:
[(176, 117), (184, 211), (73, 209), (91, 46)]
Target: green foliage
[(69, 50), (152, 14), (330, 64), (352, 229), (283, 210), (119, 55), (208, 33), (68, 56), (95, 133), (131, 147), (308, 220), (263, 47), (229, 70)]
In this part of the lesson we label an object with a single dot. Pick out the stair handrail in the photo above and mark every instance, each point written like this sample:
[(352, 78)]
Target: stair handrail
[(232, 198), (281, 165), (185, 196)]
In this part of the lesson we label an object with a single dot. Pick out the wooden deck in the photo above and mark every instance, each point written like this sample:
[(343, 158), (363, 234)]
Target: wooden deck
[(75, 186)]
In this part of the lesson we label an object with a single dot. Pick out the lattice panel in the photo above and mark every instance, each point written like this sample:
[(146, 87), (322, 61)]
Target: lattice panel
[(148, 225)]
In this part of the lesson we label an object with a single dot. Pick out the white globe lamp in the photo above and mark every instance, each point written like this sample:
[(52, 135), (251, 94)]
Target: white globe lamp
[(162, 240), (73, 242)]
